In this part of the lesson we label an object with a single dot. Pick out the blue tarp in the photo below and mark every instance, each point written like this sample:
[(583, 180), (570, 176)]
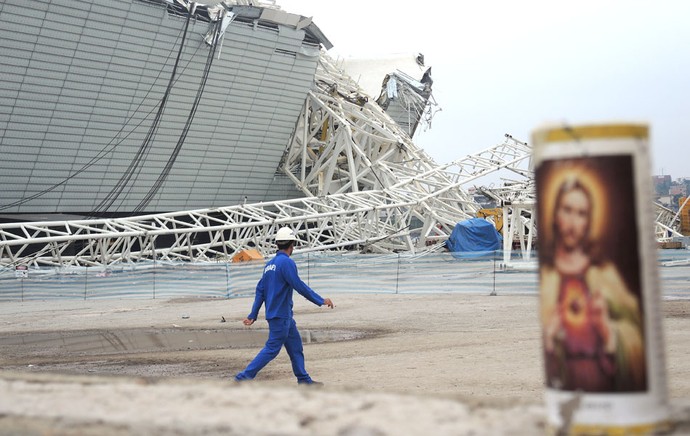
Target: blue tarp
[(474, 237)]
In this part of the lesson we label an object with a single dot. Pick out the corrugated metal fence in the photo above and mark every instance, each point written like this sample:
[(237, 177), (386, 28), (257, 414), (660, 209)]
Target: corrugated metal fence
[(327, 273)]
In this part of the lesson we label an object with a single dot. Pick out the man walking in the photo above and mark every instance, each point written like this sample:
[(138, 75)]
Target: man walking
[(275, 289)]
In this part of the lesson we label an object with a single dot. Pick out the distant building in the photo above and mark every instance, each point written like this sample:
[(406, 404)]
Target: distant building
[(660, 180), (661, 184), (677, 190)]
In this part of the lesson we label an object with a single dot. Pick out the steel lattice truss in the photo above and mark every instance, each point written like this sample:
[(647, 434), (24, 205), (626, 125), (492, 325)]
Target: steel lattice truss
[(367, 186), (667, 223)]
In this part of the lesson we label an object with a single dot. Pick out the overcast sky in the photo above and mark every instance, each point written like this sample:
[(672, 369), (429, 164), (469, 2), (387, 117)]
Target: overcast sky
[(511, 66)]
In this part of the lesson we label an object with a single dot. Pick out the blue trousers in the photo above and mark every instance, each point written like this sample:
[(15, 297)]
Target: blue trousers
[(281, 332)]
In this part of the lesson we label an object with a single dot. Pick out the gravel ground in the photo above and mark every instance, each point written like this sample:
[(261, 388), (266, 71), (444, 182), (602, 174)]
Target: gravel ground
[(446, 364)]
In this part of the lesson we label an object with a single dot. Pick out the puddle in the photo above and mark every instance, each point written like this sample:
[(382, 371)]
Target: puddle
[(151, 340)]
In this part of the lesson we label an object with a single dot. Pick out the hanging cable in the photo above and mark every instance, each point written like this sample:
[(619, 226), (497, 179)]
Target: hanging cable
[(155, 188), (108, 148), (107, 202)]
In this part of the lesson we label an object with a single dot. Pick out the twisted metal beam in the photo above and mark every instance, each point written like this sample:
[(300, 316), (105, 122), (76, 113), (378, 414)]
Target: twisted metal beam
[(367, 186)]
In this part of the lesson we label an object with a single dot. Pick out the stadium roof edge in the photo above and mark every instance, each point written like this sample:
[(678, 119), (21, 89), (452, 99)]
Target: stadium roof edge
[(253, 11)]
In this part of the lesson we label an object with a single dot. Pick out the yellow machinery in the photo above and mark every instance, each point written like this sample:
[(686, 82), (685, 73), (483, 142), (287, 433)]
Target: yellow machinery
[(496, 213), (684, 204)]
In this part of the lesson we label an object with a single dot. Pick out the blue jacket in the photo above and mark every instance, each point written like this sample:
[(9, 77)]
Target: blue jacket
[(275, 288)]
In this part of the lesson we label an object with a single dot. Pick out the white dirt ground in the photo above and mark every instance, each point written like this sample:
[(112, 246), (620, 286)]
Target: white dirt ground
[(443, 364)]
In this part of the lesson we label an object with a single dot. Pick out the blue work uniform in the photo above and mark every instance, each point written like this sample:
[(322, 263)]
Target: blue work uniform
[(275, 290)]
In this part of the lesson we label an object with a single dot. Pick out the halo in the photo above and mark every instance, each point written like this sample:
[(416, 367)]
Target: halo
[(563, 171)]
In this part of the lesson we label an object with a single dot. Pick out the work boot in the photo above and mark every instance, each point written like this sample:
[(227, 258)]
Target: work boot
[(311, 383)]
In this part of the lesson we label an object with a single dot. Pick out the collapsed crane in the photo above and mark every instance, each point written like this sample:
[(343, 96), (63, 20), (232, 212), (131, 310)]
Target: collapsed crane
[(367, 187)]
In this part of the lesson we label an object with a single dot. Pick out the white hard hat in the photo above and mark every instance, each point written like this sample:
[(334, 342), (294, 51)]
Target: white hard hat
[(285, 234)]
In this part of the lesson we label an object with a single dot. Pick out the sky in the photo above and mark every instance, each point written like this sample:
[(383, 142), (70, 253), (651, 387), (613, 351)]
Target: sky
[(502, 66)]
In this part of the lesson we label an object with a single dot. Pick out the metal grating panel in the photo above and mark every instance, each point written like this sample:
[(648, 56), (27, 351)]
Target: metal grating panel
[(82, 83)]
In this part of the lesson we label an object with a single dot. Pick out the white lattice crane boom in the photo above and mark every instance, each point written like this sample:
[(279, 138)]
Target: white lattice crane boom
[(365, 182)]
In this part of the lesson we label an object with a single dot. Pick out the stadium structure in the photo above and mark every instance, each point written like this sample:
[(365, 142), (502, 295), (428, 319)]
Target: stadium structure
[(168, 129)]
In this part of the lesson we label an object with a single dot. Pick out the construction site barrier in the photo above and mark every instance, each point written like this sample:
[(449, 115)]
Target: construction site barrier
[(327, 273)]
